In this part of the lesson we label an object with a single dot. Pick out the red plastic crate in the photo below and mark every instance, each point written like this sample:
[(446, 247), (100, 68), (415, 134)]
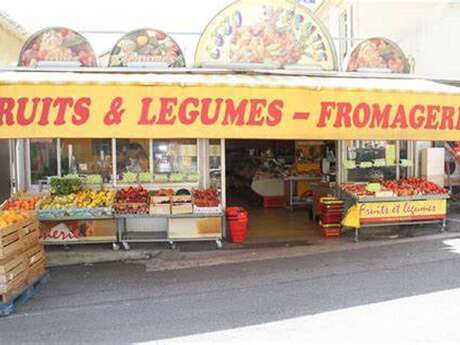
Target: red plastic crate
[(331, 219), (274, 201), (331, 232)]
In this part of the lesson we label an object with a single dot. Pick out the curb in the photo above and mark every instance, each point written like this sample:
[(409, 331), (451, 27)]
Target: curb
[(180, 261)]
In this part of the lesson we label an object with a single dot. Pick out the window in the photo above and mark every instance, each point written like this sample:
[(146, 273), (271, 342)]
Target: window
[(345, 32), (43, 159), (87, 157), (175, 160), (133, 161), (375, 160), (215, 163)]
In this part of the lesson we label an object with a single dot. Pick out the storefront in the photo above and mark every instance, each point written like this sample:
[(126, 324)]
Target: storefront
[(148, 150)]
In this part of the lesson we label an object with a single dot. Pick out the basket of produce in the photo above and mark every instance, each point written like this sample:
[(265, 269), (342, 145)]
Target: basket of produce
[(160, 202), (206, 201), (182, 195), (182, 202), (132, 200)]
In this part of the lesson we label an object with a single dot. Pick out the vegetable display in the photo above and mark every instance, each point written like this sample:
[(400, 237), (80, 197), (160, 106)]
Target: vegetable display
[(64, 185)]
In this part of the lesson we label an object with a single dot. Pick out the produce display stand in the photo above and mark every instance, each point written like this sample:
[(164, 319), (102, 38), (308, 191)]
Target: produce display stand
[(398, 210), (165, 228), (84, 240), (22, 260)]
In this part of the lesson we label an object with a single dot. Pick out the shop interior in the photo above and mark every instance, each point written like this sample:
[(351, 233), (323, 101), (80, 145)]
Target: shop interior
[(273, 181)]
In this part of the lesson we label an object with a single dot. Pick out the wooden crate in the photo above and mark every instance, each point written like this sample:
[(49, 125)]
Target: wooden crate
[(13, 275), (10, 237), (160, 199), (160, 209), (35, 254), (182, 208), (182, 198), (30, 235), (37, 269)]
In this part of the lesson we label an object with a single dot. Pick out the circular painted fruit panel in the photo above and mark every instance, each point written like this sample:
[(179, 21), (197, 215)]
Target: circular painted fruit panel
[(57, 44), (146, 45), (276, 32), (379, 53)]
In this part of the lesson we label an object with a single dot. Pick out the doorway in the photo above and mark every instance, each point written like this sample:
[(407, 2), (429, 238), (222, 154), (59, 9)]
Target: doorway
[(257, 179)]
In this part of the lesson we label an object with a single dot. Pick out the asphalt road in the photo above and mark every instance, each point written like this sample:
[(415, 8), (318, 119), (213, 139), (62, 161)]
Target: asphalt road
[(122, 304)]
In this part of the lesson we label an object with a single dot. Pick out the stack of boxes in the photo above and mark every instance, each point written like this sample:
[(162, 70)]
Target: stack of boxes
[(22, 257), (331, 211)]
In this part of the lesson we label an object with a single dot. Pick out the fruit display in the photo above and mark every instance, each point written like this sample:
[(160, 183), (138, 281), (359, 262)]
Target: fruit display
[(146, 45), (205, 198), (129, 177), (27, 203), (56, 202), (57, 44), (12, 216), (414, 186), (357, 189), (132, 194), (92, 199), (164, 192), (405, 187), (132, 200)]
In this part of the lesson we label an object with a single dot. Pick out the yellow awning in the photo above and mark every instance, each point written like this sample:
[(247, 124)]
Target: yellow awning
[(224, 105)]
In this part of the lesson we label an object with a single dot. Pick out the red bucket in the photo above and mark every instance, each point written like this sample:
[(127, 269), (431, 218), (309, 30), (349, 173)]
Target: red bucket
[(237, 220)]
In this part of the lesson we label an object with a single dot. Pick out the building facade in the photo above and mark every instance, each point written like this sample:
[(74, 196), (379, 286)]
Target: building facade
[(425, 30), (12, 38)]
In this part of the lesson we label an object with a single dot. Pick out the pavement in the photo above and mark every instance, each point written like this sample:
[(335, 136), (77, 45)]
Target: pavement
[(159, 257), (400, 293)]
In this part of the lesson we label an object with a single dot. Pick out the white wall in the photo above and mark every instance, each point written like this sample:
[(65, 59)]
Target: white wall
[(426, 30)]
